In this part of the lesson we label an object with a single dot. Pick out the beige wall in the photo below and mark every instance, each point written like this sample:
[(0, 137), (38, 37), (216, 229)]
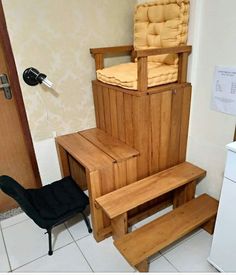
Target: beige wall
[(54, 36)]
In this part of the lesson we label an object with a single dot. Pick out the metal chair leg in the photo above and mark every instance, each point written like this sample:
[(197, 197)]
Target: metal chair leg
[(87, 222), (49, 231)]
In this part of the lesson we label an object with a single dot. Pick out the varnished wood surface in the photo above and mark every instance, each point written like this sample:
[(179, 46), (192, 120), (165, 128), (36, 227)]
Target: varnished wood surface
[(84, 152), (140, 244), (117, 49), (135, 194), (159, 51), (111, 146)]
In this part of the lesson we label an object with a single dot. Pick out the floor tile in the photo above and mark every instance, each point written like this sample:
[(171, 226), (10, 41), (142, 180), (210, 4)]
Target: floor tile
[(25, 241), (4, 264), (77, 226), (191, 255), (153, 217), (161, 265), (65, 259), (14, 220), (103, 256)]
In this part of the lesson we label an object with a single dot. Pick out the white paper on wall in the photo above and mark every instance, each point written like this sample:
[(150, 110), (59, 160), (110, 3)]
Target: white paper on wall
[(224, 90)]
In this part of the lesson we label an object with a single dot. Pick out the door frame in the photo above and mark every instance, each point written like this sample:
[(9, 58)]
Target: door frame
[(15, 85)]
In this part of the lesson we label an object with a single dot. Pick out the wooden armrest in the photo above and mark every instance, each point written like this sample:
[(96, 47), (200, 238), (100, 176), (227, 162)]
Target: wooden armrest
[(118, 49), (159, 51)]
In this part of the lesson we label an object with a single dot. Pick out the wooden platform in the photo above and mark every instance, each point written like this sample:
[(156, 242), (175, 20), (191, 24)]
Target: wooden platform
[(102, 164), (139, 245), (137, 193)]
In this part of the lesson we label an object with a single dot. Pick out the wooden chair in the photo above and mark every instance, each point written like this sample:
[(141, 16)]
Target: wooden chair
[(159, 55)]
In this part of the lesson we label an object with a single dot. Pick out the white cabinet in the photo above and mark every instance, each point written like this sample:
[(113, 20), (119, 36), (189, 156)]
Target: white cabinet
[(223, 250)]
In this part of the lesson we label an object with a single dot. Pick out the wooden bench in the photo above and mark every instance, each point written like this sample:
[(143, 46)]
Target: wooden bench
[(181, 178), (139, 245)]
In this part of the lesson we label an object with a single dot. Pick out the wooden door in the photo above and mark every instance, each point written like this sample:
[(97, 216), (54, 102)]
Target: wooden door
[(17, 158)]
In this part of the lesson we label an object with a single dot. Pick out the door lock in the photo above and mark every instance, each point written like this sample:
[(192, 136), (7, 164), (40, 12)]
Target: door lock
[(4, 84)]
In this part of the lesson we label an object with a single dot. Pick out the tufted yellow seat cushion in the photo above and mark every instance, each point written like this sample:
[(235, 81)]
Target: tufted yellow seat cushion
[(163, 23), (125, 75)]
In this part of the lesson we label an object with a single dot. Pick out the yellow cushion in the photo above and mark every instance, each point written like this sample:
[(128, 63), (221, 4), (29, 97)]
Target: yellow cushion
[(125, 75), (163, 23)]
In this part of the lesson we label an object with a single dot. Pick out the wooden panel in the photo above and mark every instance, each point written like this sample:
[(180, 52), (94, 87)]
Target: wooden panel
[(155, 110), (128, 112), (107, 110), (120, 174), (131, 170), (120, 116), (184, 123), (114, 114), (176, 110), (166, 100), (130, 196), (84, 152), (99, 61), (63, 160), (78, 173), (154, 236), (184, 194), (111, 146), (142, 74), (101, 108), (95, 101), (141, 119)]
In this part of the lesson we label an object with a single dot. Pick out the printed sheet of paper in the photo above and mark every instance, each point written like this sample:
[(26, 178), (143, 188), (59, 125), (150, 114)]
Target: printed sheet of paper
[(224, 90)]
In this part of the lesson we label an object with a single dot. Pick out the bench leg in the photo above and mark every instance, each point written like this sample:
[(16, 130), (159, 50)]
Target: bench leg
[(119, 226), (143, 266), (184, 194), (209, 226)]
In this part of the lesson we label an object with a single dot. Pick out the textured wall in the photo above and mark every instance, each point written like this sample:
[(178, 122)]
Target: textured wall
[(54, 36)]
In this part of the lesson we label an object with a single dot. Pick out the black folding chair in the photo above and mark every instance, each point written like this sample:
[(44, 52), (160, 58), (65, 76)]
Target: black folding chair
[(49, 205)]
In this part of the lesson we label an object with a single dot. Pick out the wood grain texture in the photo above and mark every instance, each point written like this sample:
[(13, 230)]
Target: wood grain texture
[(114, 113), (184, 194), (78, 173), (113, 147), (107, 109), (119, 226), (99, 61), (117, 49), (142, 74), (135, 194), (101, 108), (84, 152), (142, 243), (63, 160)]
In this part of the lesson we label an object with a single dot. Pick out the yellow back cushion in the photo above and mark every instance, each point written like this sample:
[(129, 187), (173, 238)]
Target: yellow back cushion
[(163, 23)]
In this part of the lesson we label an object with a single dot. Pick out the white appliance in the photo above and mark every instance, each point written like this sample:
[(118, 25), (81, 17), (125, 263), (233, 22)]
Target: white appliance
[(223, 250)]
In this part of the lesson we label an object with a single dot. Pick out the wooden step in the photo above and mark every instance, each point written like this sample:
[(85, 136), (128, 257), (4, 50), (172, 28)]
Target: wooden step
[(113, 147), (137, 193), (139, 245)]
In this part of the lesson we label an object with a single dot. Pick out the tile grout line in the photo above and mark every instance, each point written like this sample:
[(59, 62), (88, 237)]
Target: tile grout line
[(16, 223), (171, 264), (41, 256), (79, 247), (4, 242)]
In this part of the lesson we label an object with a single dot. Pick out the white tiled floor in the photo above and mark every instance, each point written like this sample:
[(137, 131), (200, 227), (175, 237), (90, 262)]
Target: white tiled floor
[(23, 248)]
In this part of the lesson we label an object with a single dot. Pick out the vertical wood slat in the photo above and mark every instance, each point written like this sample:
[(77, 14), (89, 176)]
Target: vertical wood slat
[(114, 113), (94, 184), (120, 116), (119, 226), (78, 173), (182, 68), (141, 120), (107, 109), (166, 100), (63, 160), (142, 74), (128, 120), (99, 61), (95, 101), (101, 108), (184, 123), (155, 110), (184, 194), (176, 110), (131, 170), (120, 174)]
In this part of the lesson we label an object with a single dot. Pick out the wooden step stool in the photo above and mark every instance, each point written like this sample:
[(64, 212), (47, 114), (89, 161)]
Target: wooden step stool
[(139, 245)]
